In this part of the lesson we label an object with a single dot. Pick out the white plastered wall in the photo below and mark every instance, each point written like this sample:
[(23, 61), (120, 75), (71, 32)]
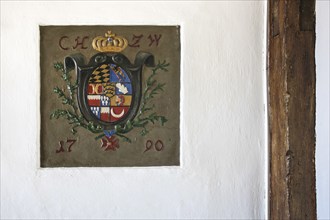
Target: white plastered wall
[(223, 129)]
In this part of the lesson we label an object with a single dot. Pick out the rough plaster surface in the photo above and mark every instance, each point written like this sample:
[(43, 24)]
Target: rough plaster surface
[(223, 162)]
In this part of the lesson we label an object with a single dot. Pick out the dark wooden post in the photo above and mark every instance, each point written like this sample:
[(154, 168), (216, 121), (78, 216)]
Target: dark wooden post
[(291, 63)]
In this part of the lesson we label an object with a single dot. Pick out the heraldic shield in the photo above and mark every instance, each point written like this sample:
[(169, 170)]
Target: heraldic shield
[(104, 99), (109, 86)]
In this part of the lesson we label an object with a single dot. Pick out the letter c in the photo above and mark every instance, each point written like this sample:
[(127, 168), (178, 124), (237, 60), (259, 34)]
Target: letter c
[(60, 43)]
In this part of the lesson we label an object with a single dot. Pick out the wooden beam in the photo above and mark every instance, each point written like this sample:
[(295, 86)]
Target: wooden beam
[(291, 90)]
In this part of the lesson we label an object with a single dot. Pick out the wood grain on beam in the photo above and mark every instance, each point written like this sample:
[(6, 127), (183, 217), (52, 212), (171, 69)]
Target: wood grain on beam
[(291, 84)]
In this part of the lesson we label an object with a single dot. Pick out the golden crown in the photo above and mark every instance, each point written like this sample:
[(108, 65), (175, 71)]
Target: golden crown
[(109, 43)]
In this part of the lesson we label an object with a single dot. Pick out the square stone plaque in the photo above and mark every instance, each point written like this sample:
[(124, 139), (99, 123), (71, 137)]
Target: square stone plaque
[(110, 96)]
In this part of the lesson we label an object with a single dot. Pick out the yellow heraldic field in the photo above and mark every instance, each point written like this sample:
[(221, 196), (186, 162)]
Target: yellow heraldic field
[(100, 75), (121, 100)]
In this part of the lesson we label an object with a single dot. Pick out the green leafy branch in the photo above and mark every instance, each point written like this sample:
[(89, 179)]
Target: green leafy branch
[(59, 67), (65, 99), (152, 88), (73, 117)]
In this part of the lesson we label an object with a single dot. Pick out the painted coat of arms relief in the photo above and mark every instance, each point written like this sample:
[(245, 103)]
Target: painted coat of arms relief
[(110, 96)]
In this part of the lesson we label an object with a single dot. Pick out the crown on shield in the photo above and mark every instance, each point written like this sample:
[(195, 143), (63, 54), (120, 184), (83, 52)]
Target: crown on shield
[(109, 43)]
